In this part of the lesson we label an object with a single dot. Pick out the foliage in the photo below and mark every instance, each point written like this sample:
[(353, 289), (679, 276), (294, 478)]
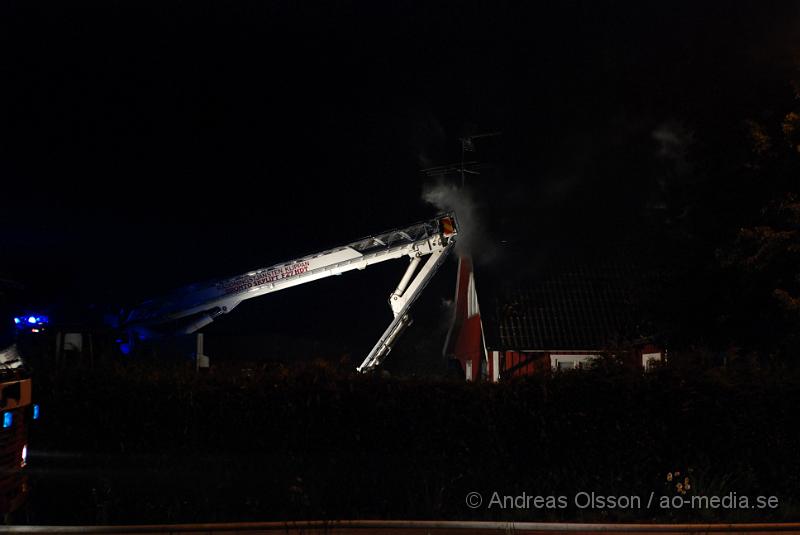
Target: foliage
[(728, 235), (137, 444), (765, 263)]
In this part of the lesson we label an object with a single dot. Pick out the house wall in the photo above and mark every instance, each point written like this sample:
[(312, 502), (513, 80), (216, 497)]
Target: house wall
[(518, 363), (505, 364), (521, 363), (469, 346)]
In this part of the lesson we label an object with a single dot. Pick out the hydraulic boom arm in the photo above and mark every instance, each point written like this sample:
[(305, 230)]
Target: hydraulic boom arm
[(191, 308)]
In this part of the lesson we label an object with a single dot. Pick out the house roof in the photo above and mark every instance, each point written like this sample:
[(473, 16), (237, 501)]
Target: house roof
[(564, 305)]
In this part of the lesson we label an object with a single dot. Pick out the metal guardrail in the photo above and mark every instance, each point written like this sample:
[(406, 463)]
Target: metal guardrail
[(398, 527)]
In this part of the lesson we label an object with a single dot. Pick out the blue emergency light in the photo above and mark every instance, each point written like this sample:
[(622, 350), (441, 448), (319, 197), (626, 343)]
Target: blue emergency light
[(31, 321)]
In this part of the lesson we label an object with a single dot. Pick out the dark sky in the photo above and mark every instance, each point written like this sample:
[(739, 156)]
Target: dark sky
[(146, 146)]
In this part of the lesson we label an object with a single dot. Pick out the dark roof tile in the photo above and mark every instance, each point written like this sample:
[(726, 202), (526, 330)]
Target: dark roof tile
[(564, 306)]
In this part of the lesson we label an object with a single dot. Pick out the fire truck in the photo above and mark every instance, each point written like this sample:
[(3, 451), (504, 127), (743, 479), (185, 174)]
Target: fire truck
[(425, 244), (16, 413)]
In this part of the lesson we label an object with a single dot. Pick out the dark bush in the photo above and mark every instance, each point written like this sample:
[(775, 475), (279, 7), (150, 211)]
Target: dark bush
[(134, 443)]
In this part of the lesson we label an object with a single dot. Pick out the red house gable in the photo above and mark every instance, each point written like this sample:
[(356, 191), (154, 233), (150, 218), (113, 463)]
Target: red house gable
[(465, 338)]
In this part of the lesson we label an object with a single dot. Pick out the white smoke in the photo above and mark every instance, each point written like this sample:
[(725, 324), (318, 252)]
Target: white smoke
[(673, 140), (472, 239)]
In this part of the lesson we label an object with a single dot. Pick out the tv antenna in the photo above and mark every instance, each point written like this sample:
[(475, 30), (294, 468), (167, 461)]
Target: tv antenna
[(465, 167)]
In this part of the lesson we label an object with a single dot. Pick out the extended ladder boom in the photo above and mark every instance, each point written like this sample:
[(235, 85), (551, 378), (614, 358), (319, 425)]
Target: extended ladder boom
[(193, 307)]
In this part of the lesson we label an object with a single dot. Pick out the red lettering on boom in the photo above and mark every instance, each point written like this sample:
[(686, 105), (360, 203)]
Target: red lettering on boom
[(246, 282)]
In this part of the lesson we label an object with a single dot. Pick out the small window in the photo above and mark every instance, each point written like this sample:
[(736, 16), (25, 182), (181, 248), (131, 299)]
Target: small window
[(570, 362), (649, 360)]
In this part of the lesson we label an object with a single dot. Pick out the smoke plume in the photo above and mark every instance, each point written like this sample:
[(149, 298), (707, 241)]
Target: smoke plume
[(472, 238)]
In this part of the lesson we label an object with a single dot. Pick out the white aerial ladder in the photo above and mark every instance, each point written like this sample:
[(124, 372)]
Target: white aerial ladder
[(193, 307)]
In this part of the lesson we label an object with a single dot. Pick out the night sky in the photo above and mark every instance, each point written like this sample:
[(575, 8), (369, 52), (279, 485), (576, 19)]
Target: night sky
[(147, 146)]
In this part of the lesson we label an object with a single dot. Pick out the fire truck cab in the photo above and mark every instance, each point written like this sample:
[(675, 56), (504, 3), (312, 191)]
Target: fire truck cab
[(16, 413)]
